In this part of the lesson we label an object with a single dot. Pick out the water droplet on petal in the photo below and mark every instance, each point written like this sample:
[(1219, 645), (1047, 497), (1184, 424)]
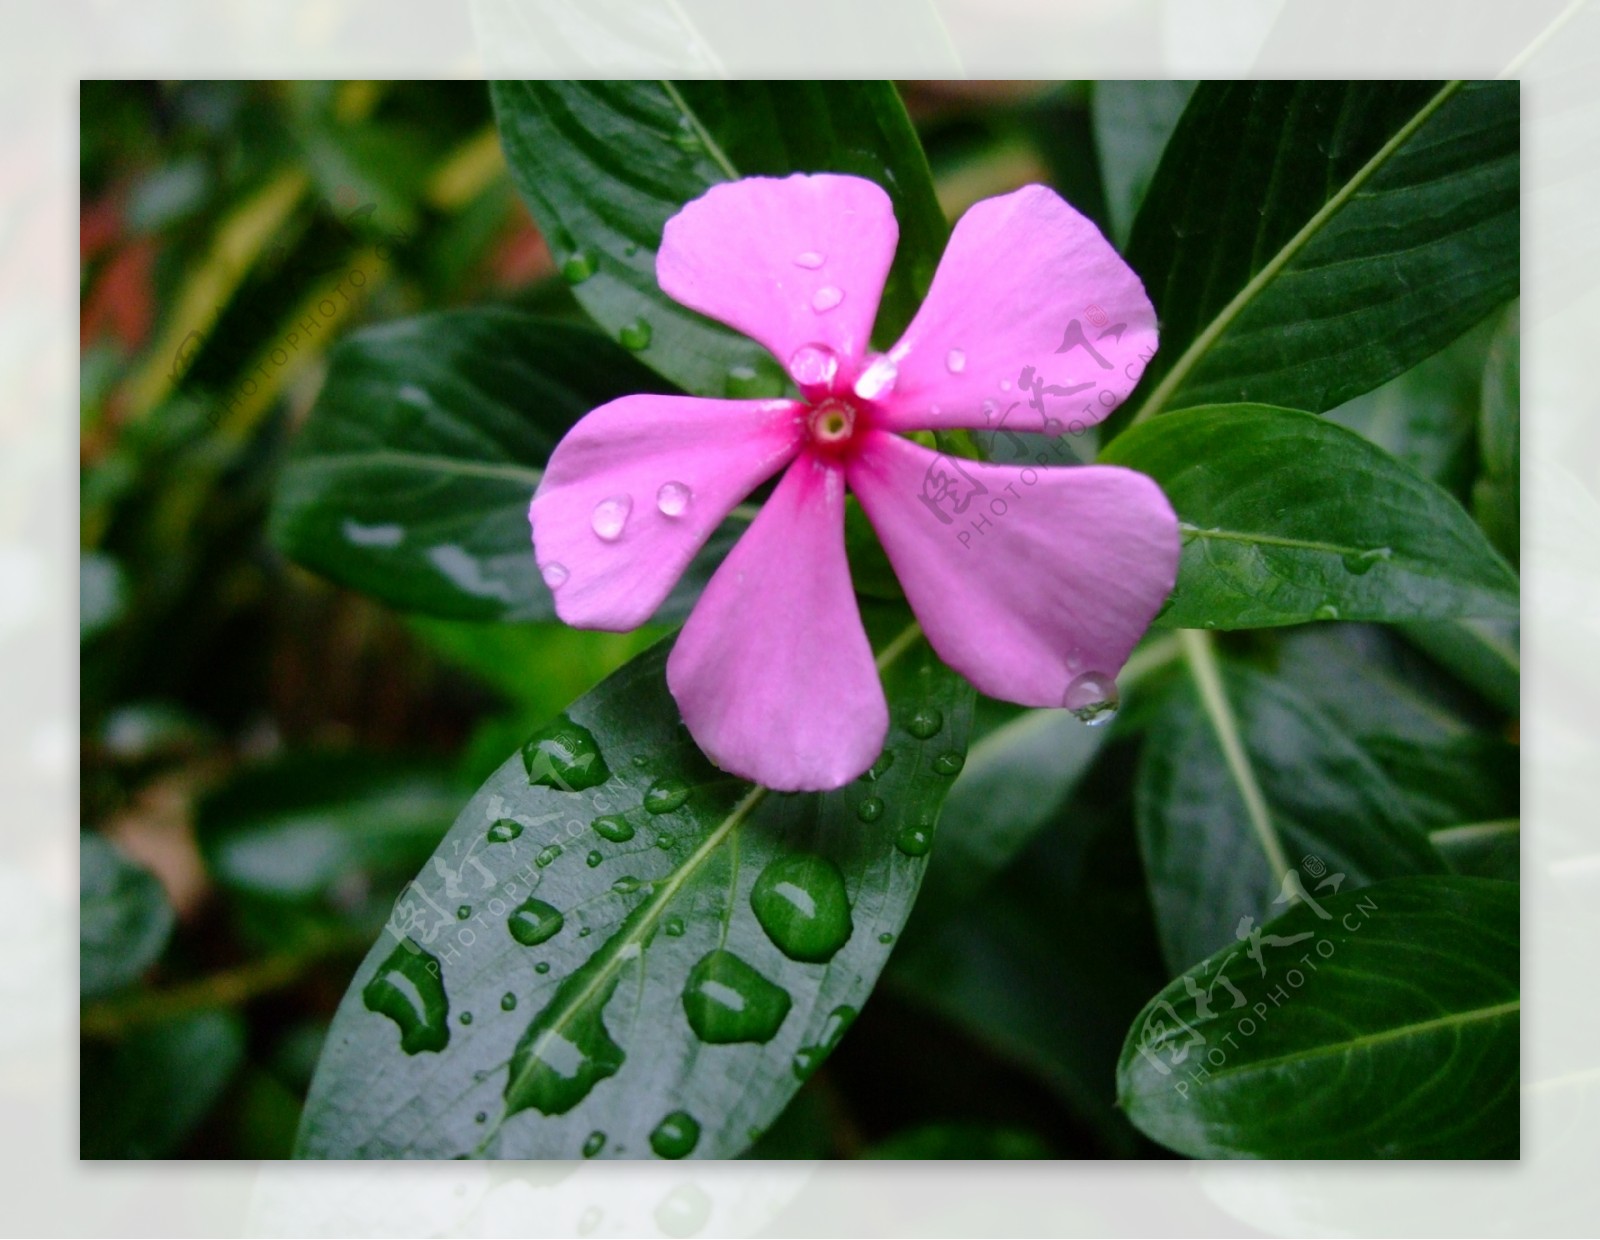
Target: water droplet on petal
[(878, 378), (666, 795), (409, 990), (810, 260), (870, 810), (814, 365), (726, 1000), (675, 1136), (636, 335), (1093, 698), (925, 723), (955, 361), (826, 298), (555, 575), (673, 498), (533, 922), (801, 902), (610, 515)]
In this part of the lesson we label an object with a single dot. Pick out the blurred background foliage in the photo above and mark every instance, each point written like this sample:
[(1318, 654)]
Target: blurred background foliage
[(267, 758)]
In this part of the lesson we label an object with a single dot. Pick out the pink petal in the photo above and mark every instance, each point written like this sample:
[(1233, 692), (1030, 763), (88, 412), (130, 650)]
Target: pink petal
[(773, 671), (636, 488), (1024, 580), (797, 264), (1028, 296)]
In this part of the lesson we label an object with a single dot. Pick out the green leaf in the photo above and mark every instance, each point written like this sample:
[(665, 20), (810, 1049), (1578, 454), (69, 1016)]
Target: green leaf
[(102, 594), (704, 943), (1305, 241), (1484, 653), (960, 1141), (1497, 495), (124, 918), (412, 478), (1386, 1027), (604, 165), (1133, 121), (1287, 518), (1483, 849), (1243, 780), (144, 1096)]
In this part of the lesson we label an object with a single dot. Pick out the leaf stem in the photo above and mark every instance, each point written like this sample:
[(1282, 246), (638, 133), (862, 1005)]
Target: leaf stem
[(1200, 652)]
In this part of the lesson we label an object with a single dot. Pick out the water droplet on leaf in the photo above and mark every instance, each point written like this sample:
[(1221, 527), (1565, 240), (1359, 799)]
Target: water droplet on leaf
[(547, 855), (593, 1144), (508, 1002), (463, 912), (533, 922), (666, 795), (579, 266), (636, 335), (675, 1136), (465, 1018), (870, 810), (594, 859), (1359, 562), (542, 967), (915, 839), (408, 988), (884, 762), (808, 1058), (949, 763), (925, 723), (613, 827), (504, 830), (567, 1050), (726, 1000), (801, 902), (564, 755), (674, 927)]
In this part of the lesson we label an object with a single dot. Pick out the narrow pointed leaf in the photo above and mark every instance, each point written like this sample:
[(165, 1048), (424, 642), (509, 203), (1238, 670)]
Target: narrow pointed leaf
[(604, 165), (1379, 1023), (1288, 518), (633, 955), (1305, 241)]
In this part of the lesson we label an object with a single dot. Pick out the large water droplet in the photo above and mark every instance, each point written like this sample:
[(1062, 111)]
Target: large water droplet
[(533, 922), (955, 361), (613, 827), (408, 988), (925, 723), (810, 260), (675, 1136), (870, 810), (877, 379), (673, 499), (1359, 562), (504, 830), (1093, 698), (567, 1050), (813, 365), (564, 755), (666, 795), (826, 298), (610, 516), (915, 839), (593, 1144), (949, 763), (636, 335), (801, 902), (555, 575), (726, 1000), (808, 1058), (579, 266)]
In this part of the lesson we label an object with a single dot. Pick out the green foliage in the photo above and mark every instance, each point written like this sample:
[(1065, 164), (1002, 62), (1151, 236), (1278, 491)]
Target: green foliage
[(124, 919)]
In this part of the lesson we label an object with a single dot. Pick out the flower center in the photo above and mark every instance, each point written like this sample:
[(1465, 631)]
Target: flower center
[(833, 426)]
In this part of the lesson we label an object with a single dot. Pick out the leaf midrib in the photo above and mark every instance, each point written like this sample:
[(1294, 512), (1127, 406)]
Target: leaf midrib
[(650, 911), (1201, 344)]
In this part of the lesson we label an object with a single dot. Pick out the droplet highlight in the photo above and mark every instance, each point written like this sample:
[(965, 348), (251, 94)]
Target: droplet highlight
[(878, 379)]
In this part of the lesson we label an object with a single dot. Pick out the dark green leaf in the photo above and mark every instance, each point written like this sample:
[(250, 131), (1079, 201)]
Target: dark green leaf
[(1483, 849), (689, 987), (1497, 495), (604, 165), (1246, 788), (102, 594), (1379, 1023), (1133, 122), (1287, 518), (124, 919), (1305, 241), (143, 1097), (1484, 653), (960, 1141), (412, 479)]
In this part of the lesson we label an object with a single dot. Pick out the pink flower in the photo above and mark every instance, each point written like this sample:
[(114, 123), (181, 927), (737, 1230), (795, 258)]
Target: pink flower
[(1033, 583)]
